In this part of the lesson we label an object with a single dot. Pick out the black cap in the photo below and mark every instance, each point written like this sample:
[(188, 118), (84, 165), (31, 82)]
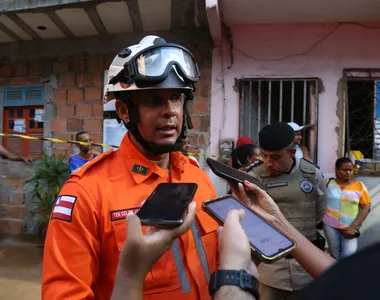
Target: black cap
[(276, 136)]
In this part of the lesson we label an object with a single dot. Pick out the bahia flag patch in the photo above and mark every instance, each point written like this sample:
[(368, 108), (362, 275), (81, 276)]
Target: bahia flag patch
[(63, 208)]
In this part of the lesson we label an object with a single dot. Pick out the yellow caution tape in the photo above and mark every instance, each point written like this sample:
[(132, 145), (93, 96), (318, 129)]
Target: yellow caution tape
[(26, 137), (55, 140)]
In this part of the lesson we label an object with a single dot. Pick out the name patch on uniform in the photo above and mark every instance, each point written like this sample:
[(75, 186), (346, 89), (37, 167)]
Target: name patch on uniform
[(276, 184), (139, 169), (306, 186), (122, 213), (63, 208)]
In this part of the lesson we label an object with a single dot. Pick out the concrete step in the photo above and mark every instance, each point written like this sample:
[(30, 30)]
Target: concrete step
[(11, 226)]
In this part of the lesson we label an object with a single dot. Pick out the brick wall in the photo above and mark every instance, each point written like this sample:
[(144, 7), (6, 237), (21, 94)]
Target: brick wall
[(13, 194), (73, 102), (200, 108), (200, 111), (78, 99)]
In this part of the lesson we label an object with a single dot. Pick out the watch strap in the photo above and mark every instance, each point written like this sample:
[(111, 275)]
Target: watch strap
[(239, 278)]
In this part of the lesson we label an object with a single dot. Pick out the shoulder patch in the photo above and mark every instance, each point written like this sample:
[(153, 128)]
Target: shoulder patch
[(308, 166), (63, 208), (83, 169), (306, 186), (139, 169)]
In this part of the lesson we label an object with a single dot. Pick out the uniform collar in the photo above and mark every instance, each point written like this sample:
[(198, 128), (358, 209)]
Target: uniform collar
[(141, 168), (295, 165)]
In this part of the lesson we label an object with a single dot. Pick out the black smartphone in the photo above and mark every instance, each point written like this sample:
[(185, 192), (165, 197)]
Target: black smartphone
[(167, 204), (231, 174), (267, 243)]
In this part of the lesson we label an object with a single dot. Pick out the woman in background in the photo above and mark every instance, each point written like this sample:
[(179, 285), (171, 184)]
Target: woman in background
[(348, 205), (244, 156)]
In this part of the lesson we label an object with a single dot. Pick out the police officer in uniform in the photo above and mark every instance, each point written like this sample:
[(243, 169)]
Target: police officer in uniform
[(298, 188)]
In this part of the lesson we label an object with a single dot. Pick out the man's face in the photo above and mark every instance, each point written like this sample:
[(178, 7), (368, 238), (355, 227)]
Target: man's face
[(160, 115), (298, 137), (186, 145), (85, 137), (278, 162)]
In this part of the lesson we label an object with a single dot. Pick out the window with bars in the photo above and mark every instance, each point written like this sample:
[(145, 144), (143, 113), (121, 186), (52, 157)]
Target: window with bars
[(269, 100), (23, 114)]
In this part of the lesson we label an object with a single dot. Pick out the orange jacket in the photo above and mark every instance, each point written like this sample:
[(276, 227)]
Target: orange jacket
[(87, 229)]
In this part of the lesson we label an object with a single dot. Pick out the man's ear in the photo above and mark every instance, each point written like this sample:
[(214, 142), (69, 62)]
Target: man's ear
[(122, 110)]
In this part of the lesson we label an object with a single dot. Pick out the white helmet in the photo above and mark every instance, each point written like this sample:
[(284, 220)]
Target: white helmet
[(148, 65), (152, 64)]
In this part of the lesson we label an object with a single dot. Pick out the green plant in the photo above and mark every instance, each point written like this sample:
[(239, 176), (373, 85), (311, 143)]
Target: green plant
[(51, 174), (52, 171), (43, 205)]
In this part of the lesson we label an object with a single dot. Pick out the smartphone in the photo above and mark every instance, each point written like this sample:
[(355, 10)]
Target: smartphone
[(167, 204), (231, 174), (267, 243)]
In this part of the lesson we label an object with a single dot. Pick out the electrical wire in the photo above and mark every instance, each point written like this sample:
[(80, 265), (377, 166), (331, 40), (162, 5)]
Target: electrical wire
[(294, 54), (312, 47)]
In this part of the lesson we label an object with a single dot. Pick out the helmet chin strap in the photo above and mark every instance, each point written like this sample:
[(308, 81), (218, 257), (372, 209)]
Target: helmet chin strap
[(154, 147)]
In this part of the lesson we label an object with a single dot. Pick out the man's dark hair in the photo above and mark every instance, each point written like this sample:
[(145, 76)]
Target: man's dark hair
[(341, 161), (79, 134)]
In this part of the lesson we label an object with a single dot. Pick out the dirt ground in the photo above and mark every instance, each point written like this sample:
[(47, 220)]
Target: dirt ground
[(20, 268)]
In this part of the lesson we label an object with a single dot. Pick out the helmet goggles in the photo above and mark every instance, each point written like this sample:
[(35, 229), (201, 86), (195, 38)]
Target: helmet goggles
[(154, 64)]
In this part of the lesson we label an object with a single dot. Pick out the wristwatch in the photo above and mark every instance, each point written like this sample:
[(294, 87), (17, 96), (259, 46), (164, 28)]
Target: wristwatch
[(240, 278)]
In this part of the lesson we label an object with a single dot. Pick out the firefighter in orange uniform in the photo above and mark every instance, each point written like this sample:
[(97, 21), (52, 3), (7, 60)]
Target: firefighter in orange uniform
[(152, 82)]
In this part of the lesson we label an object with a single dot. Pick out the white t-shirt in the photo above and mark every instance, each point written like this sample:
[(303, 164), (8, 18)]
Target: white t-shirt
[(299, 153)]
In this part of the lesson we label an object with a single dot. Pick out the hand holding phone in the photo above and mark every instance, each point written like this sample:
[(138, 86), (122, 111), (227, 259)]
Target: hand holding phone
[(267, 243), (232, 175), (233, 255), (167, 204)]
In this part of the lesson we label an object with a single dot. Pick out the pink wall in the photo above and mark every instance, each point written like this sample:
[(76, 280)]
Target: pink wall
[(349, 46)]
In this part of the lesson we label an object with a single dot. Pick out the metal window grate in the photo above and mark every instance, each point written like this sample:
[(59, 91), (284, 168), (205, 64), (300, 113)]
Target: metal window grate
[(362, 115), (269, 100)]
